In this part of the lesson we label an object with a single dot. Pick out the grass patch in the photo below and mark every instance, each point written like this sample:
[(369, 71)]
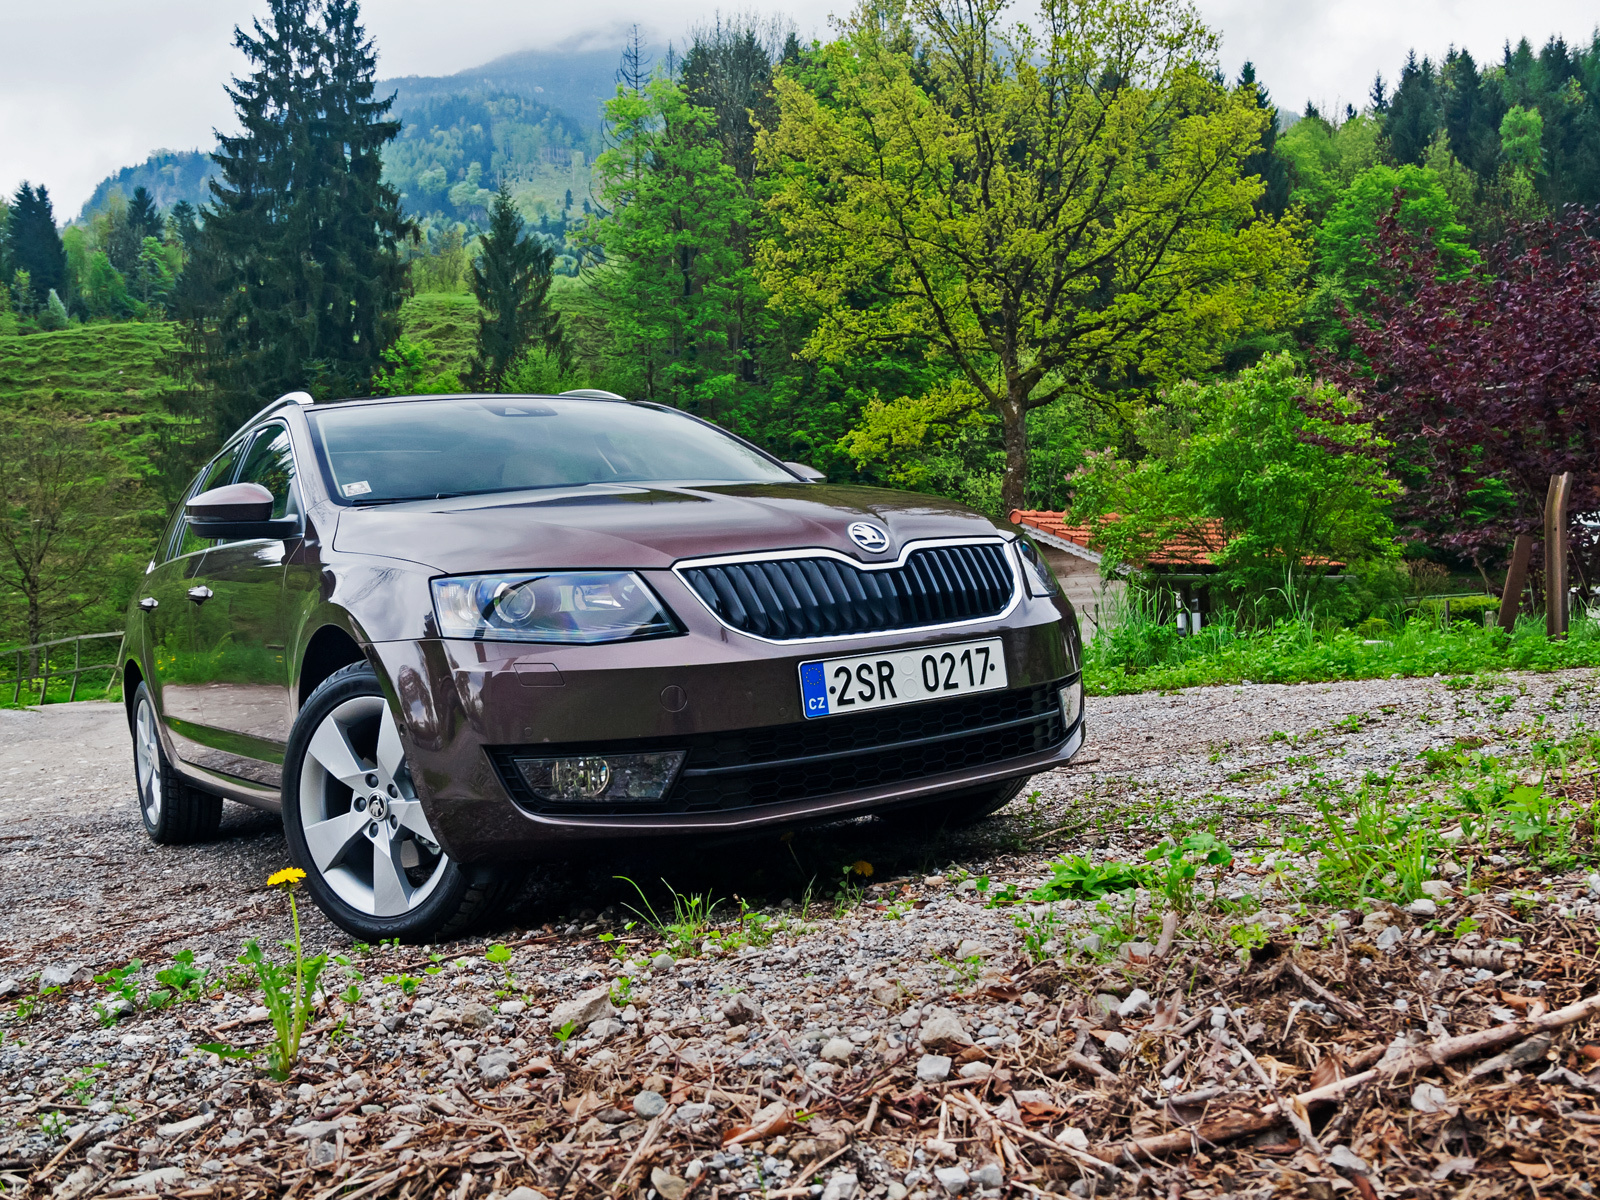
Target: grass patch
[(89, 369), (1141, 657)]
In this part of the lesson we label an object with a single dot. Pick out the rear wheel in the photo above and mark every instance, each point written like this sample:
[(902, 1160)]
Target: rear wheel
[(173, 811), (956, 810), (355, 826)]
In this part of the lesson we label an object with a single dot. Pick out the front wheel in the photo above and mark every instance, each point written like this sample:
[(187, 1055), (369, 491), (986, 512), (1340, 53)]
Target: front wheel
[(354, 824)]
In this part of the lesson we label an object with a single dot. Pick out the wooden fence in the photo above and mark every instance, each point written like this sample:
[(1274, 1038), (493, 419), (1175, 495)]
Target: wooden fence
[(47, 660)]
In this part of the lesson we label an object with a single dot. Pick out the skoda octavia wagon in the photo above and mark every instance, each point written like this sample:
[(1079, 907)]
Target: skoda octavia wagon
[(450, 636)]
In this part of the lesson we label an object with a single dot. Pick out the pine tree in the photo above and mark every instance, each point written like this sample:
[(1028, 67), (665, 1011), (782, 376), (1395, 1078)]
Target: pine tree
[(1413, 112), (33, 245), (144, 220), (511, 280), (296, 279), (1266, 162)]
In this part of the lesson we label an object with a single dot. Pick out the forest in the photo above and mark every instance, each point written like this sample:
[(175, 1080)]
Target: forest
[(1065, 265)]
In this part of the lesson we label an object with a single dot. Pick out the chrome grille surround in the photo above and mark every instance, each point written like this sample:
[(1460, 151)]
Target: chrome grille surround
[(792, 597)]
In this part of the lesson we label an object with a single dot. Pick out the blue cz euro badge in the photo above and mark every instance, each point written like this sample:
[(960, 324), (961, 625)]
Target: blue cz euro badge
[(814, 689)]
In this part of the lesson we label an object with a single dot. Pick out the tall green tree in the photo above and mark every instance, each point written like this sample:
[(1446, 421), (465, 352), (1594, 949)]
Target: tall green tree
[(300, 279), (511, 279), (678, 280), (34, 245), (1053, 211)]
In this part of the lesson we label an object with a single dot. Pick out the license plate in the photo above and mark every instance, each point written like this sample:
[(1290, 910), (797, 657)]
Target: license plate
[(830, 687)]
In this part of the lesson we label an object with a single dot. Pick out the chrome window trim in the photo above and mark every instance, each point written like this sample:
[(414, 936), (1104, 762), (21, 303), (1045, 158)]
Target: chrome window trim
[(1018, 587)]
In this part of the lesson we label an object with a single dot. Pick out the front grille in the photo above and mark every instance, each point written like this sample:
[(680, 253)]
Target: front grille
[(788, 598), (754, 767)]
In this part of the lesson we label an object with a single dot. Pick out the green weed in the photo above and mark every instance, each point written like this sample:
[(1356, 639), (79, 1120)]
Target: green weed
[(1073, 877)]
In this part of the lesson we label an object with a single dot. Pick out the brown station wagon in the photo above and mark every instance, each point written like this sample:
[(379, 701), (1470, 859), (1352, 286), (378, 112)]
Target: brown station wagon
[(449, 636)]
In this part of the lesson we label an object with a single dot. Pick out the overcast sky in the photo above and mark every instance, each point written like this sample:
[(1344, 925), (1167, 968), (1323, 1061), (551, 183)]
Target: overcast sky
[(88, 86)]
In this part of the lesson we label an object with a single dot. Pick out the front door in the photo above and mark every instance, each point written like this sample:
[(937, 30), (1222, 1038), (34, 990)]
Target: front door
[(241, 632), (179, 672)]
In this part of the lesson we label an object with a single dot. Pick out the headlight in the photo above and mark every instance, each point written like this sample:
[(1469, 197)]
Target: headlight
[(602, 778), (1041, 582), (571, 606)]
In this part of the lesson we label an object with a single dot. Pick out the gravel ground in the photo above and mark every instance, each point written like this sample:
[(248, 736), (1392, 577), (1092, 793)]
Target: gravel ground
[(405, 1091)]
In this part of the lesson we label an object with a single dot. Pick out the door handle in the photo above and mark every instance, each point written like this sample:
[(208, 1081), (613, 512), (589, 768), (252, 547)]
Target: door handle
[(200, 594), (149, 604)]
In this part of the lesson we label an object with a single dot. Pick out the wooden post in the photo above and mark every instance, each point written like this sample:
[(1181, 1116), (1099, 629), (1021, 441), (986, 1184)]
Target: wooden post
[(1555, 555), (77, 669), (1516, 580)]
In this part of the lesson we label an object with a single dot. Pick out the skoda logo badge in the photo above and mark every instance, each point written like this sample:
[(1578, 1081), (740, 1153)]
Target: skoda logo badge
[(868, 536)]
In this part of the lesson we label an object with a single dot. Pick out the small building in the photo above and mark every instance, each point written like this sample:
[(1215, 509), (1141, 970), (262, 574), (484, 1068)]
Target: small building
[(1182, 570)]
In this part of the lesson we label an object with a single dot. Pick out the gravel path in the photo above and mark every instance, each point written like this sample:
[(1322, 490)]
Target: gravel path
[(440, 1072), (79, 880)]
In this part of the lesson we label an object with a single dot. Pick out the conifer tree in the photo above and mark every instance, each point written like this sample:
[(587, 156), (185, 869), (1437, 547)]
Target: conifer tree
[(296, 280), (511, 280), (34, 245)]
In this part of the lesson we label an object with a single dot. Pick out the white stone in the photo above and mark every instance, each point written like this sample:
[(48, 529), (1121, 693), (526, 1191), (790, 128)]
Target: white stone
[(179, 1128), (1422, 908), (933, 1068), (837, 1050), (1138, 1001), (583, 1009), (524, 1192), (1072, 1136), (941, 1027), (952, 1179), (688, 1114), (1429, 1098), (150, 1181), (841, 1186), (1438, 889)]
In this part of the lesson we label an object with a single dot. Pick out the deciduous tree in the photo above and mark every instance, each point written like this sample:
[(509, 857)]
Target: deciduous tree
[(1239, 467), (1051, 211), (1488, 383), (63, 512)]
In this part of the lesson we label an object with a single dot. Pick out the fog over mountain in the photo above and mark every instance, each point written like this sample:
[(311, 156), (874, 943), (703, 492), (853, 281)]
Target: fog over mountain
[(152, 75)]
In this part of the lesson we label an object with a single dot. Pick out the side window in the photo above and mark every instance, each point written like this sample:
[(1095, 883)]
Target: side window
[(219, 472), (270, 462)]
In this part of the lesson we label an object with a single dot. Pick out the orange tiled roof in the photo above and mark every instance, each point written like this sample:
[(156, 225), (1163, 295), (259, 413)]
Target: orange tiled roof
[(1187, 550), (1193, 549)]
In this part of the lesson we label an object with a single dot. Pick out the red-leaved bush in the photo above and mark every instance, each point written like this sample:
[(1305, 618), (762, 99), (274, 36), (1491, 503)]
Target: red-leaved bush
[(1487, 383)]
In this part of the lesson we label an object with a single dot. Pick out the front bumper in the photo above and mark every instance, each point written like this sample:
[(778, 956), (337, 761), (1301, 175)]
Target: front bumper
[(468, 708)]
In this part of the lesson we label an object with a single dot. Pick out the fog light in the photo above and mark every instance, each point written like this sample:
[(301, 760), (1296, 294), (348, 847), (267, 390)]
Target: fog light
[(1072, 702), (602, 778)]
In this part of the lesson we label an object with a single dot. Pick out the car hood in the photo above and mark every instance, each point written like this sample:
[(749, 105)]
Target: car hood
[(644, 527)]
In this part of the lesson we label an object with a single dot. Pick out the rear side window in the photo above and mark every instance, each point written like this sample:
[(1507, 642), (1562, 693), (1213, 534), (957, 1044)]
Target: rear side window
[(217, 472)]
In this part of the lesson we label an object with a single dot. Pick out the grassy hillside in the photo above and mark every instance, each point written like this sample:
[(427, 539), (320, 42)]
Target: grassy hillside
[(449, 321), (122, 370), (101, 370)]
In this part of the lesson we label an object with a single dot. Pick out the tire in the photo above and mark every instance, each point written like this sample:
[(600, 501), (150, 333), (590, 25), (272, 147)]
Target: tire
[(956, 810), (173, 811), (375, 879)]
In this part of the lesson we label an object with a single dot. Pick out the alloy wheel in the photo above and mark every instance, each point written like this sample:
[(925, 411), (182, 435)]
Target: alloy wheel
[(147, 761), (364, 827)]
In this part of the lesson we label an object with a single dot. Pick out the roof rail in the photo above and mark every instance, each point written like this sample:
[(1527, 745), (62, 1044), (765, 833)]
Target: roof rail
[(288, 398), (593, 394)]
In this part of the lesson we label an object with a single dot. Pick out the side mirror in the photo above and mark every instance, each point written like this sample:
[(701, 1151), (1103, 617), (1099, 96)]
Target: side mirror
[(237, 511), (809, 474)]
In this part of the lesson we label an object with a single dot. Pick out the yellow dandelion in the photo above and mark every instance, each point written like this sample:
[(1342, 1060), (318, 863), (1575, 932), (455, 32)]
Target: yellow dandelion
[(862, 868), (287, 875)]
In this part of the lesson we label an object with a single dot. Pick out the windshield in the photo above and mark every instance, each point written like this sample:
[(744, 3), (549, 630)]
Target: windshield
[(428, 448)]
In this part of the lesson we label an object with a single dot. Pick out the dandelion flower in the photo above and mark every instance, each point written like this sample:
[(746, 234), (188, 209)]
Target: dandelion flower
[(862, 868), (287, 875)]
